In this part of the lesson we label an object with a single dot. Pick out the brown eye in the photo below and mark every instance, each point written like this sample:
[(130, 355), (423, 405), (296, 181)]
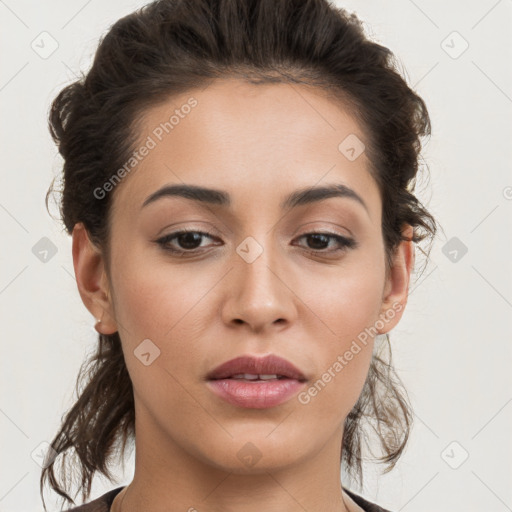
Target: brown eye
[(187, 241), (319, 241)]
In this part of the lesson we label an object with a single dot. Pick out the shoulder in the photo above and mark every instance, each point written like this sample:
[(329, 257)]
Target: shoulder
[(101, 504), (367, 506)]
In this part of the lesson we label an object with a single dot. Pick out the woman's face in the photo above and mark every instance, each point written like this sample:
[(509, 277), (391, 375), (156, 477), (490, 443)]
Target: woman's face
[(258, 282)]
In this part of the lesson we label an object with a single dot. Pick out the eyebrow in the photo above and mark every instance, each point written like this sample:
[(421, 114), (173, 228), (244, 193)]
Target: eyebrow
[(212, 196)]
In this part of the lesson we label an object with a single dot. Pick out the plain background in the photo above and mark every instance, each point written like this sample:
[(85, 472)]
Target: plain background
[(453, 346)]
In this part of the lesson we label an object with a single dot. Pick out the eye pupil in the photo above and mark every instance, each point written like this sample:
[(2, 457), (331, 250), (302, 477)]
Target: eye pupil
[(185, 238), (315, 237)]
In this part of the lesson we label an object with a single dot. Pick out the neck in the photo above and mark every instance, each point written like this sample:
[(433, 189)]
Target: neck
[(169, 478)]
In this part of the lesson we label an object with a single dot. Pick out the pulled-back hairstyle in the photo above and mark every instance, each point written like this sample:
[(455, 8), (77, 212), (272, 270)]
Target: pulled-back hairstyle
[(168, 47)]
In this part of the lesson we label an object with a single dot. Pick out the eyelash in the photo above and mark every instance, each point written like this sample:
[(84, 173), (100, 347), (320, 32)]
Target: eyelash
[(344, 242)]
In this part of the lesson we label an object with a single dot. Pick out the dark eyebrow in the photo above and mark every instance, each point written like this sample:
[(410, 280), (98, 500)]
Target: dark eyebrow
[(218, 197), (202, 194), (312, 194)]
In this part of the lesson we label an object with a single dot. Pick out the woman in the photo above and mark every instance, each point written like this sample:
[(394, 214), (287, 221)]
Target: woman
[(238, 183)]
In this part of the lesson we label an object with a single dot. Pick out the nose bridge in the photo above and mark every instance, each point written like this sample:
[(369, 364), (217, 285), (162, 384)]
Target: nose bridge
[(258, 295)]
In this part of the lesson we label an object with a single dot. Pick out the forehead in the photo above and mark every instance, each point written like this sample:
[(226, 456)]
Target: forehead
[(256, 141)]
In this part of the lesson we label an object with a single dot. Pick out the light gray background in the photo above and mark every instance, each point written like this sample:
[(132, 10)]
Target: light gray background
[(453, 345)]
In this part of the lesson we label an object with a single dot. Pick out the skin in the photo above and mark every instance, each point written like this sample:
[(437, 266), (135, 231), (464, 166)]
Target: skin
[(203, 310)]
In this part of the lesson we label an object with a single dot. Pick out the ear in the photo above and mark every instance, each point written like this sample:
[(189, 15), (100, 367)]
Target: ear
[(92, 281), (396, 288)]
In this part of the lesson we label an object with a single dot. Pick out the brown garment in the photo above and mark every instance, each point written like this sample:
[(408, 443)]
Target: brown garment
[(104, 502), (101, 504)]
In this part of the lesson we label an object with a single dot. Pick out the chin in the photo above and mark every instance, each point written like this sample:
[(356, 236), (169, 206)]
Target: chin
[(257, 454)]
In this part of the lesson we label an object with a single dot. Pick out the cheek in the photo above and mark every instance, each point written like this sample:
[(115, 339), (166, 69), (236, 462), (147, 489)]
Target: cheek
[(155, 306), (349, 306), (349, 300), (167, 305), (153, 298), (344, 358)]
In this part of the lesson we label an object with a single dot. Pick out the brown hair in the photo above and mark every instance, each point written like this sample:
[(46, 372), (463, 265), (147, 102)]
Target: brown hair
[(168, 47)]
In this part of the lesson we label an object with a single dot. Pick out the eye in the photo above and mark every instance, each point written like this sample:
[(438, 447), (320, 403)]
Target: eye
[(319, 240), (189, 241)]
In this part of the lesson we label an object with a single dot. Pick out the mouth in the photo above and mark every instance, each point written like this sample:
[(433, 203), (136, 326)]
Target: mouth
[(251, 368), (250, 377), (256, 382)]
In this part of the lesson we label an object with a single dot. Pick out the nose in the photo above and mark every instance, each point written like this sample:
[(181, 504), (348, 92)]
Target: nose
[(259, 295)]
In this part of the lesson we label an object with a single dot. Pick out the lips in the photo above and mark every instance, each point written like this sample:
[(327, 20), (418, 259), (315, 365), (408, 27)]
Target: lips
[(261, 366)]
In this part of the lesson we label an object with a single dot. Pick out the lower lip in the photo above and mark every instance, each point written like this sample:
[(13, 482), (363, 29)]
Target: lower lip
[(256, 394)]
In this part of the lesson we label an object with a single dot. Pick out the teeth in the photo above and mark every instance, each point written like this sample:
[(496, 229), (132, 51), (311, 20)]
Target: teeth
[(251, 376)]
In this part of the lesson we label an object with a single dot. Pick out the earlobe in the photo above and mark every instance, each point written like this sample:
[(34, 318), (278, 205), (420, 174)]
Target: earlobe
[(92, 280), (397, 283)]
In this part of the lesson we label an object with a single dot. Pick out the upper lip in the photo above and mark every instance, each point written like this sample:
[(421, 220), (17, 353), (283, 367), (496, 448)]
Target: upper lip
[(270, 364)]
